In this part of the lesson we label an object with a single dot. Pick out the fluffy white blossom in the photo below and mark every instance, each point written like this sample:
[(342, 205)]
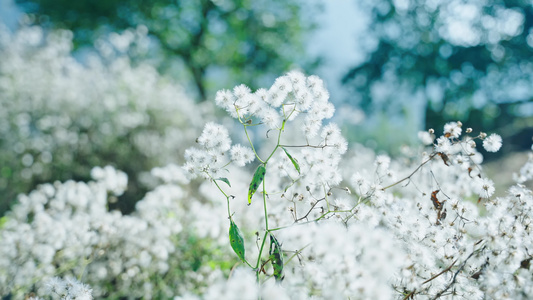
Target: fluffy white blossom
[(114, 181), (484, 187), (492, 143), (453, 129), (425, 137), (241, 155), (443, 145), (68, 289)]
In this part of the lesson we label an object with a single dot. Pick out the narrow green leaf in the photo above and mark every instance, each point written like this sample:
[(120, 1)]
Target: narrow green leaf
[(294, 161), (236, 240), (225, 180), (276, 257), (259, 175)]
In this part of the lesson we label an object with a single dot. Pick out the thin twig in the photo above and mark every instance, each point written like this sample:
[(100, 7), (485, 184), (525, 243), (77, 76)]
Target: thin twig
[(454, 277), (310, 210), (444, 271), (413, 173), (409, 295)]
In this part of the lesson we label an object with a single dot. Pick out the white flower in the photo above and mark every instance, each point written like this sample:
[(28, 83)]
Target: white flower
[(453, 129), (215, 136), (493, 143), (241, 155), (241, 91), (425, 137), (382, 162), (443, 145), (484, 187), (279, 91), (115, 181), (78, 290), (330, 131), (57, 286), (68, 289), (270, 117), (225, 99)]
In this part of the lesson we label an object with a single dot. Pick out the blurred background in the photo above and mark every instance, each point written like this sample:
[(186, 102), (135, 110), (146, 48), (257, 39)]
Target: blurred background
[(392, 67)]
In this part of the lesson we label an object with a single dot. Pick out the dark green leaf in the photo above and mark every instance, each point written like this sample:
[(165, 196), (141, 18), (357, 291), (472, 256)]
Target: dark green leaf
[(294, 161), (236, 240), (259, 175), (276, 257), (225, 180)]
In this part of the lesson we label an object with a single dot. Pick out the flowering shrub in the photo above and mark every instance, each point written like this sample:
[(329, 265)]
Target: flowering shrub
[(301, 221), (66, 229), (61, 117), (423, 226)]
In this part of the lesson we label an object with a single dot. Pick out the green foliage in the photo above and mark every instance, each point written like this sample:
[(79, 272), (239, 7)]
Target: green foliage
[(259, 175), (293, 160), (247, 40), (276, 257), (473, 74), (224, 179), (236, 240)]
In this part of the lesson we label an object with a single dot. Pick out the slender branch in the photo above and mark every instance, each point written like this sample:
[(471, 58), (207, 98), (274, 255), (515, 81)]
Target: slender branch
[(260, 253), (444, 271), (413, 173), (447, 287), (265, 204), (308, 212), (409, 295), (252, 144), (305, 146)]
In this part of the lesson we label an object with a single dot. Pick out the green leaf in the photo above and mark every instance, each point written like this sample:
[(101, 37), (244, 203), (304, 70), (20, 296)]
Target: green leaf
[(3, 221), (225, 180), (236, 240), (276, 257), (259, 175), (294, 161)]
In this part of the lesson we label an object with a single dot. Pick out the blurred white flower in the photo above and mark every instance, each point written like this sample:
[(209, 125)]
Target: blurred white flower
[(453, 129), (484, 187), (241, 155), (492, 143), (113, 180), (425, 137)]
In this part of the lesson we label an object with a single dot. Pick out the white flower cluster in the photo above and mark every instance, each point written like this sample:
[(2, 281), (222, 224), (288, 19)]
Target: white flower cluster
[(68, 289), (341, 262), (66, 229), (526, 172), (60, 117), (289, 96), (210, 159), (116, 182), (317, 155), (452, 249), (423, 226), (337, 263)]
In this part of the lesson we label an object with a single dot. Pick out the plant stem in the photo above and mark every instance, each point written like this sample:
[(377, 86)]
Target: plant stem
[(413, 173)]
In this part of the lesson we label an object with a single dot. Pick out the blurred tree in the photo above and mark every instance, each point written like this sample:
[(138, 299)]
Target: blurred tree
[(458, 60), (239, 40)]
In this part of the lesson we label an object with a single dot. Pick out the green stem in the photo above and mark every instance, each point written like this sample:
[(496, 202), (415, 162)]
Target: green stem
[(265, 204), (279, 139), (252, 144), (260, 253)]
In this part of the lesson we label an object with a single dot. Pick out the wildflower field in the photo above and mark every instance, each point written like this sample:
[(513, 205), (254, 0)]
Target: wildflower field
[(254, 194)]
